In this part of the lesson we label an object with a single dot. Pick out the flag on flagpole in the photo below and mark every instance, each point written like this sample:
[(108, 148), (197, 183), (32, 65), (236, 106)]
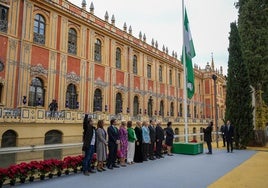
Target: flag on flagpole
[(189, 54)]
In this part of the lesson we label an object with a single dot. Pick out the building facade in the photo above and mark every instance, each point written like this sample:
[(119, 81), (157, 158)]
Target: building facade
[(54, 50)]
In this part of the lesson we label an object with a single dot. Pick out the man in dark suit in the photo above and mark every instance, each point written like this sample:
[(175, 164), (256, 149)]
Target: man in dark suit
[(207, 137), (159, 136), (113, 141), (152, 138), (223, 134), (229, 134)]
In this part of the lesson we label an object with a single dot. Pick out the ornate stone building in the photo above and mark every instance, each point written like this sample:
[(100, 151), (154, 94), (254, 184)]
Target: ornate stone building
[(52, 49)]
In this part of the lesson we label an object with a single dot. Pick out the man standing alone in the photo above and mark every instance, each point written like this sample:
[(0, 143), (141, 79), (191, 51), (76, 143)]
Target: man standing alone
[(207, 137), (229, 134)]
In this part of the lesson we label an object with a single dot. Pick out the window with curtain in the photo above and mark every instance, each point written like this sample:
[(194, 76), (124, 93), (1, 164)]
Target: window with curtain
[(135, 65), (3, 19), (171, 109), (97, 51), (36, 92), (119, 103), (149, 73), (118, 58), (72, 41), (39, 29), (136, 106), (160, 74), (71, 97), (97, 100), (170, 76)]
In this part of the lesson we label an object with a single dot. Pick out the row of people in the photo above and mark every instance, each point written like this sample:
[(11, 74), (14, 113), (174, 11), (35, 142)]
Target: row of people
[(128, 144)]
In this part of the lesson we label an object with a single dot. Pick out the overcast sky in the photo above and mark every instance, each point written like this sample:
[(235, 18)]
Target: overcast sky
[(162, 20)]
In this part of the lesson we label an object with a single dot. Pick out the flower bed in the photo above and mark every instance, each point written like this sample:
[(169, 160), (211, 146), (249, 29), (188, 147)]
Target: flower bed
[(19, 173)]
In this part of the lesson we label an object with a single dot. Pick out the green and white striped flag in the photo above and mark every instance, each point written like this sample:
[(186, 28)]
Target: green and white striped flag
[(190, 53)]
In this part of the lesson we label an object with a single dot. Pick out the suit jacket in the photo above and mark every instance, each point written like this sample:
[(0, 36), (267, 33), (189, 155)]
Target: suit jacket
[(229, 134), (113, 135), (159, 133), (87, 137), (207, 133), (152, 133)]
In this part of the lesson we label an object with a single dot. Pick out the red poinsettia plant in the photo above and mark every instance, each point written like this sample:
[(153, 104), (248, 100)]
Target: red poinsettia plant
[(3, 175), (73, 161), (18, 171)]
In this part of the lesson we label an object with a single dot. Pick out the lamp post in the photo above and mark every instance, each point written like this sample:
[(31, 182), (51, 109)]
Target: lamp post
[(214, 77)]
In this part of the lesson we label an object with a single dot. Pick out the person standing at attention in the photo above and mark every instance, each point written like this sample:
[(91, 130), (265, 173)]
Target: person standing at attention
[(229, 134), (169, 138), (160, 136), (138, 156), (145, 140), (152, 138), (88, 146), (101, 146), (223, 134), (123, 137), (113, 141), (131, 143), (207, 136)]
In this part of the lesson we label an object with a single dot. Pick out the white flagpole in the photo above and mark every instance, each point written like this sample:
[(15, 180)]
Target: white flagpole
[(185, 78)]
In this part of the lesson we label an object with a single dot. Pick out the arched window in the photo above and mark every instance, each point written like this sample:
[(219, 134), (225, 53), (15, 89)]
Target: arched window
[(180, 113), (160, 74), (170, 77), (150, 107), (3, 18), (97, 100), (9, 139), (118, 58), (53, 137), (119, 103), (39, 29), (97, 51), (195, 112), (71, 97), (1, 92), (36, 92), (72, 41), (135, 65), (136, 106), (161, 112), (171, 109)]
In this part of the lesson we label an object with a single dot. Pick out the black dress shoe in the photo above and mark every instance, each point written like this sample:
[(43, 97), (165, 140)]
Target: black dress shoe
[(110, 167), (92, 171), (116, 166)]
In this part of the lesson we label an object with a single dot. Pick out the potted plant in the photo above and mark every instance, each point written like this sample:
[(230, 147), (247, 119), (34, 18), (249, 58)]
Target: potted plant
[(3, 176)]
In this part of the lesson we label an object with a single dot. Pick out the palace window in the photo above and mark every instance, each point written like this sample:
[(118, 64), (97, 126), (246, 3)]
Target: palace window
[(149, 73), (136, 106), (180, 113), (36, 92), (1, 92), (3, 19), (9, 139), (119, 103), (118, 58), (170, 76), (171, 109), (53, 137), (150, 107), (72, 42), (161, 112), (97, 51), (39, 29), (97, 100), (179, 80), (71, 97), (160, 74), (135, 65)]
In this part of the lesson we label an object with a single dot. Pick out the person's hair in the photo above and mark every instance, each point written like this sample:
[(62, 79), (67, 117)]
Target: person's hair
[(169, 123), (211, 123), (100, 124), (123, 123), (129, 124), (112, 121)]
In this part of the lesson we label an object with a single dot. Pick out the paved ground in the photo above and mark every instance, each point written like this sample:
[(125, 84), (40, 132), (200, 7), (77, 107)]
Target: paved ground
[(242, 169)]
